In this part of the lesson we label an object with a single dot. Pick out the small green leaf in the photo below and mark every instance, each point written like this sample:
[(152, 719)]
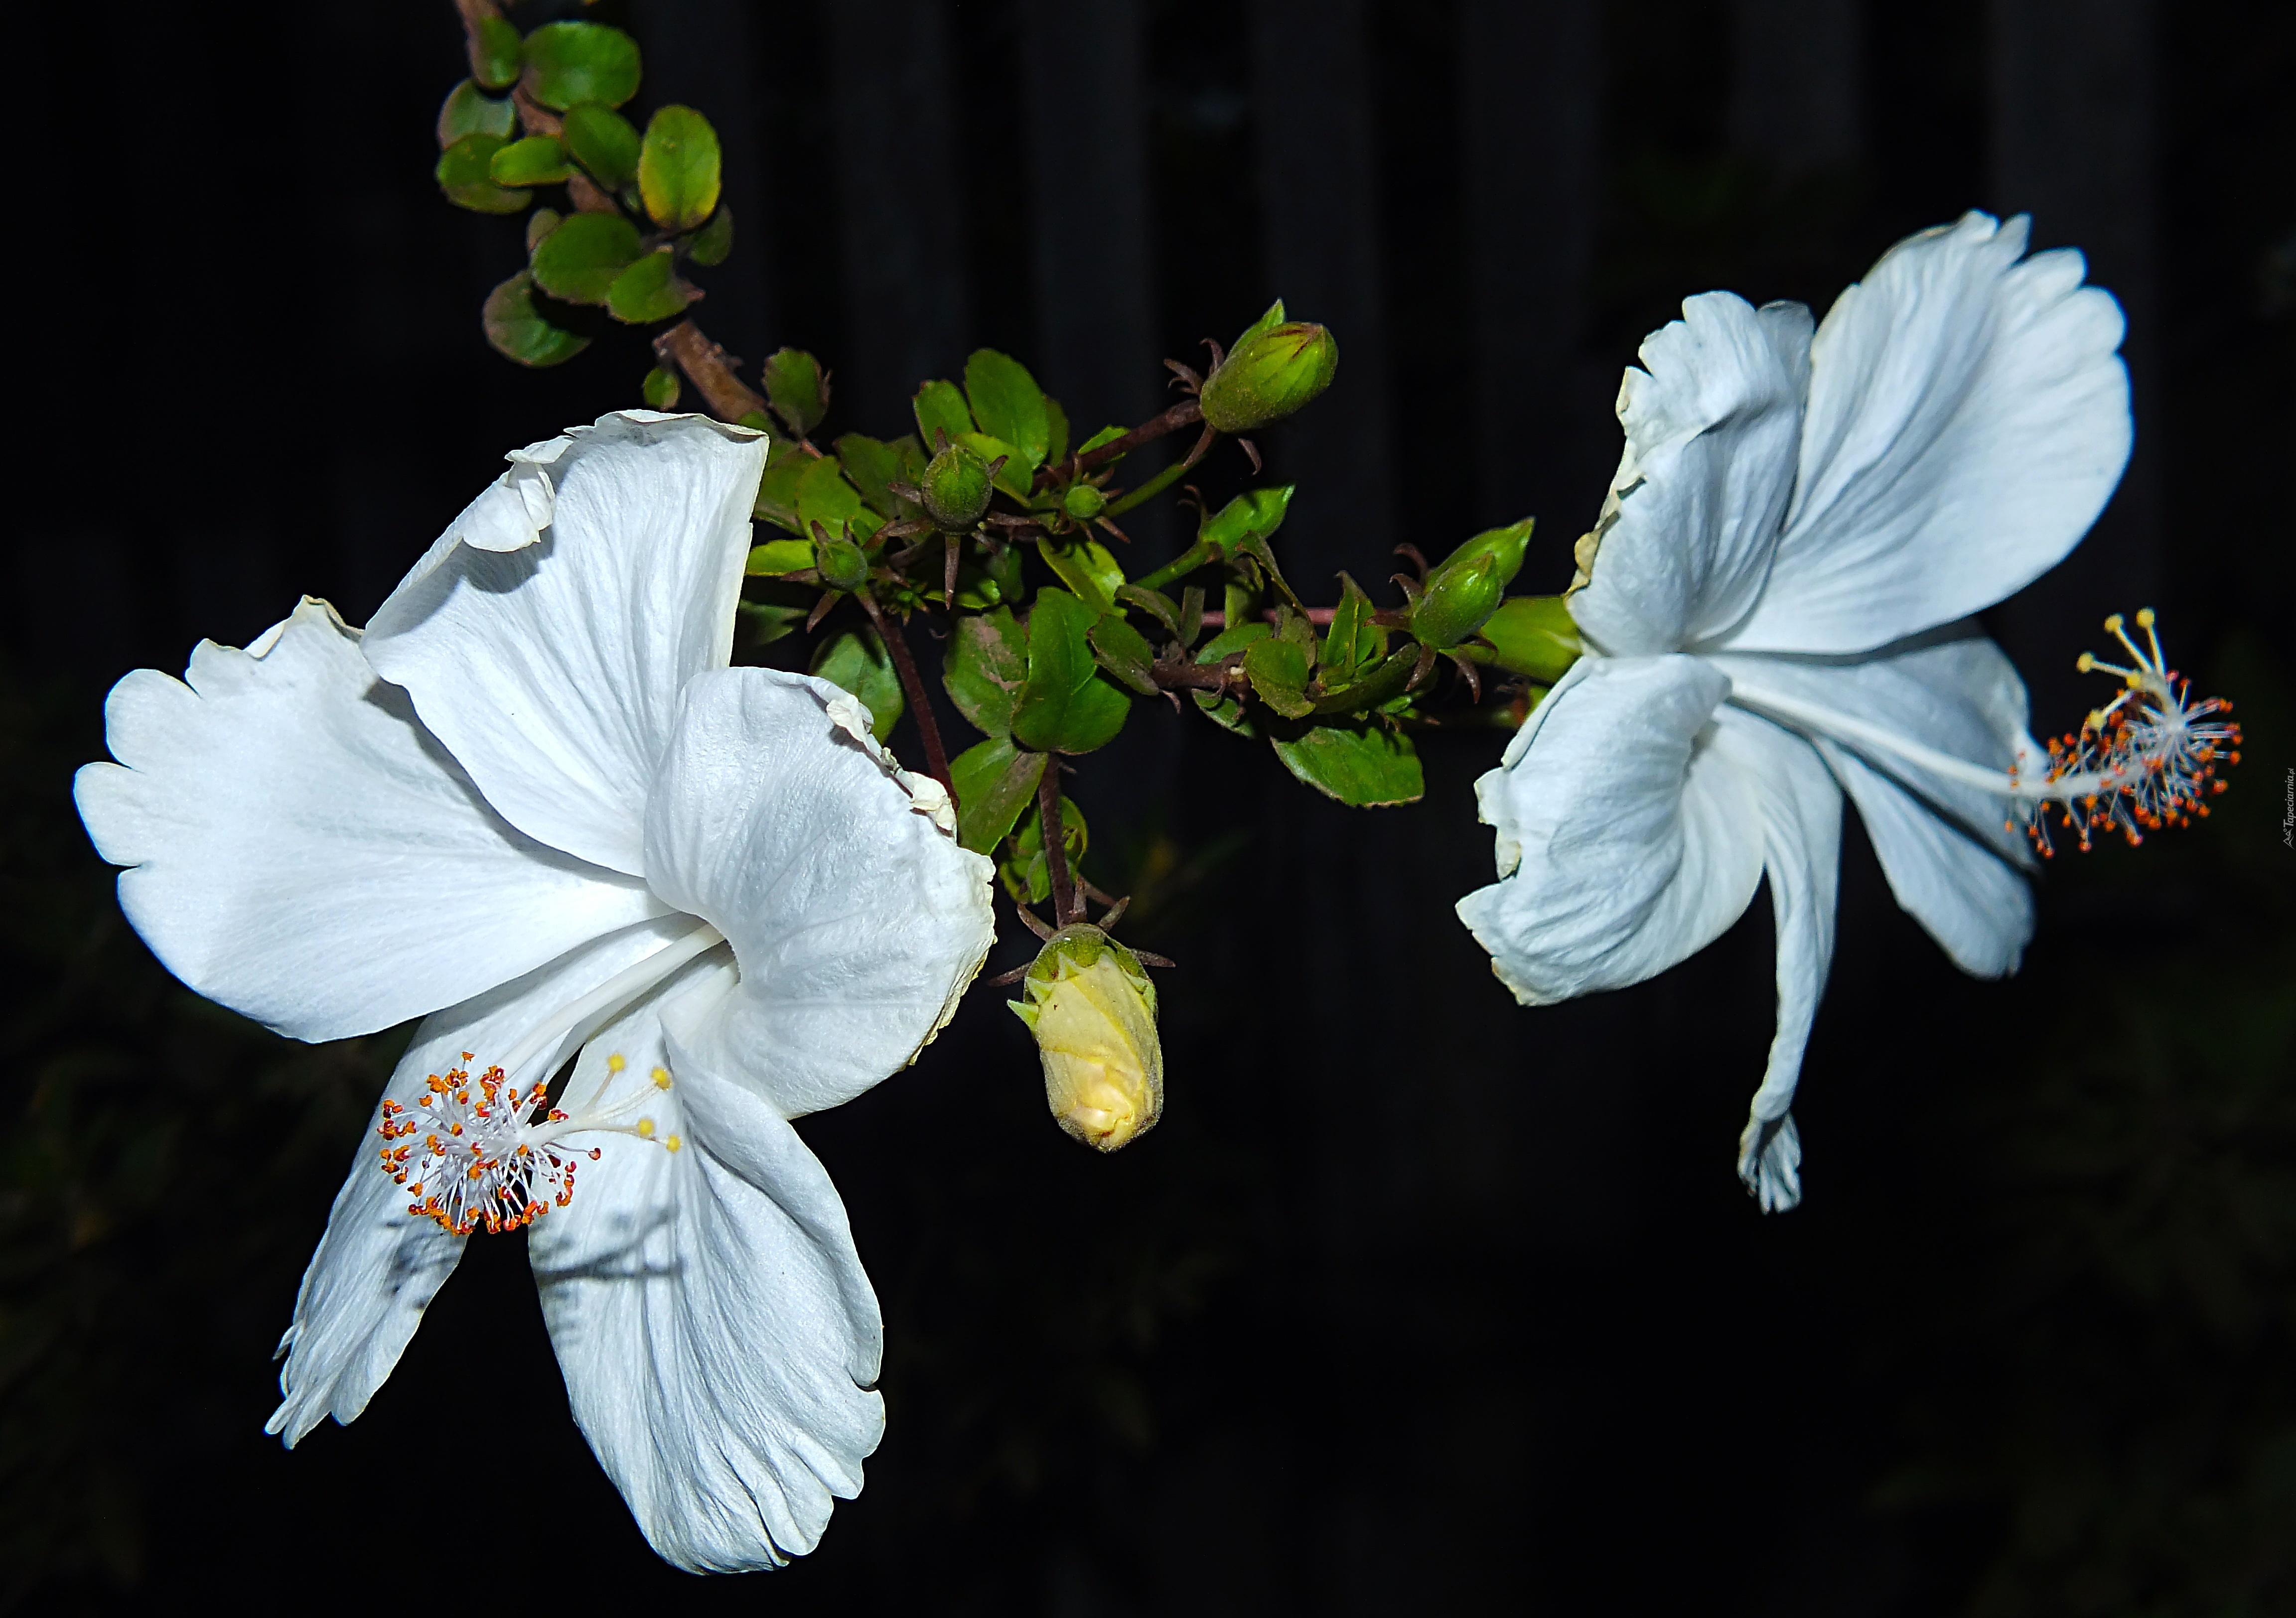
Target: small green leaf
[(465, 174), (648, 290), (1125, 652), (1153, 602), (1353, 640), (567, 63), (662, 389), (603, 142), (939, 406), (767, 622), (679, 168), (1366, 765), (994, 782), (1087, 567), (777, 557), (875, 465), (713, 242), (824, 497), (470, 110), (497, 54), (1234, 639), (777, 492), (1534, 635), (1278, 670), (1027, 876), (1254, 511), (1056, 425), (1008, 404), (536, 161), (539, 223), (1064, 705), (796, 389), (581, 259), (518, 331), (856, 661), (987, 665), (1106, 434), (1374, 685), (1013, 476)]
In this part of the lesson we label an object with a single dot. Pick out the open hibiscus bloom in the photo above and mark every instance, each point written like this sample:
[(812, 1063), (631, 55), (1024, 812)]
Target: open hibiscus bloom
[(533, 805), (1775, 602)]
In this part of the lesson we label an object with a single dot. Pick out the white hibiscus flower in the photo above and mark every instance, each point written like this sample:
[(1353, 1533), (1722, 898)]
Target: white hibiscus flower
[(533, 805), (1775, 602)]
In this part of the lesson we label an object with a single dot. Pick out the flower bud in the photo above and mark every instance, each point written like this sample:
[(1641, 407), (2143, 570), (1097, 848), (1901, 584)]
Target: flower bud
[(1533, 635), (1271, 375), (1083, 502), (840, 562), (955, 487), (1468, 586), (1089, 1002)]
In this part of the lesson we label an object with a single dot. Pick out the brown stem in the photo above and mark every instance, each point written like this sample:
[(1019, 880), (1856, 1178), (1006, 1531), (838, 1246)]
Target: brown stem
[(729, 398), (1318, 616), (1194, 676), (1185, 414), (913, 686), (1065, 908)]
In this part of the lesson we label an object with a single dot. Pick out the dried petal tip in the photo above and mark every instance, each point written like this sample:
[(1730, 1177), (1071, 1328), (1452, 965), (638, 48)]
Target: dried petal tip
[(1089, 1002)]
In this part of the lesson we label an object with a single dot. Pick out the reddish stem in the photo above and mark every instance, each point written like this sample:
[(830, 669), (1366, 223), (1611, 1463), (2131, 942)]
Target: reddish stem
[(913, 686)]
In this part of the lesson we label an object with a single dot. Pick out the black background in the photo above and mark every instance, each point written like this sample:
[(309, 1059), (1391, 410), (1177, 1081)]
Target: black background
[(1416, 1301)]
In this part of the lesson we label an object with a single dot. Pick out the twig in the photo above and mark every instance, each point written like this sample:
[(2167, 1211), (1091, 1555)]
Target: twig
[(729, 398), (1065, 908), (1185, 414), (914, 687)]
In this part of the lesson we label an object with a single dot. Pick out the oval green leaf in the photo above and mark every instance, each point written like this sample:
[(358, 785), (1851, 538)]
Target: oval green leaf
[(536, 161), (581, 259), (940, 408), (1008, 404), (497, 54), (465, 174), (987, 663), (603, 142), (660, 389), (714, 241), (518, 332), (994, 781), (567, 63), (857, 661), (679, 168), (777, 557), (1064, 705), (1366, 766), (470, 110), (648, 290)]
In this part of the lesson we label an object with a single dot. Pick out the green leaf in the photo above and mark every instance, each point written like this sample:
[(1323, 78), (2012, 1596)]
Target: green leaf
[(1278, 669), (1056, 427), (497, 54), (648, 290), (1534, 635), (660, 389), (603, 142), (1366, 765), (777, 557), (1153, 602), (470, 110), (518, 331), (777, 492), (939, 406), (858, 661), (539, 223), (1254, 511), (994, 782), (1375, 685), (1087, 567), (874, 464), (581, 259), (1125, 652), (824, 497), (679, 168), (1353, 640), (1064, 705), (986, 664), (465, 174), (767, 622), (1027, 875), (796, 389), (714, 241), (1106, 434), (1008, 404), (1227, 711), (1232, 639), (536, 161), (567, 63), (1013, 476)]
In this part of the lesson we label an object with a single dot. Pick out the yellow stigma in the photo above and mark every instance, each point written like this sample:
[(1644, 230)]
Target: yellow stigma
[(617, 1062), (661, 1078), (1092, 1010)]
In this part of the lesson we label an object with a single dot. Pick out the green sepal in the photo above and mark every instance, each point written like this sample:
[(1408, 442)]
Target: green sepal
[(679, 168), (1377, 686), (1124, 652), (714, 242), (858, 661), (1353, 639), (1027, 876), (536, 161), (1265, 322), (1007, 403), (777, 557), (875, 465), (497, 54), (1064, 705), (648, 290), (1364, 765), (994, 781), (987, 664), (796, 389), (1088, 568), (1533, 635), (470, 110), (660, 389), (580, 260), (940, 407), (465, 173), (1278, 669), (603, 142), (567, 63), (518, 331)]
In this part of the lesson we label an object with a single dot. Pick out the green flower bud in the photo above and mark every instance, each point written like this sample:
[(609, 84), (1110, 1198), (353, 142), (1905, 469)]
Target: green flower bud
[(1534, 635), (1271, 375), (840, 563), (1092, 1010), (956, 487), (1083, 502), (1468, 586)]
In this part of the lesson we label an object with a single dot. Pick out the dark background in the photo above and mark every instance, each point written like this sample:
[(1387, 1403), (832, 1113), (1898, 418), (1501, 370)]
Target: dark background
[(1417, 1301)]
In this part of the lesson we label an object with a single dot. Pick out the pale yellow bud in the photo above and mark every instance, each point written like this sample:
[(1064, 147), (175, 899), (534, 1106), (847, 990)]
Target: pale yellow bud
[(1089, 1002)]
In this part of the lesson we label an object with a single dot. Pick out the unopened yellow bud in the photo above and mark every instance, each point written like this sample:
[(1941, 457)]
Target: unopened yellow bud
[(1089, 1002)]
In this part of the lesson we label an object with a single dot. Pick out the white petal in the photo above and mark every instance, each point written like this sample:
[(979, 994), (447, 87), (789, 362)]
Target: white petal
[(552, 672), (1636, 842), (856, 918), (1968, 420), (307, 855), (1685, 535), (1802, 858), (378, 1266), (1947, 848), (719, 1340)]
